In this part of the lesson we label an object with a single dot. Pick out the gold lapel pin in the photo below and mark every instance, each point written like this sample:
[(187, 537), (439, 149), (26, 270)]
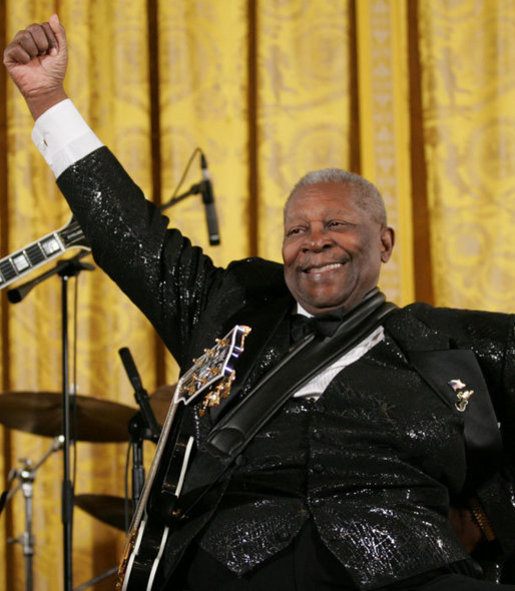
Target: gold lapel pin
[(462, 394)]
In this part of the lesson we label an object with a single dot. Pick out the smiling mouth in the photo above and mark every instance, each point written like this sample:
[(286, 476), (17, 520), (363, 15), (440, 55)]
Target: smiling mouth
[(323, 268)]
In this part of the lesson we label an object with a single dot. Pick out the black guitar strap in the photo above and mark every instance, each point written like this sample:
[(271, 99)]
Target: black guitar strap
[(235, 430)]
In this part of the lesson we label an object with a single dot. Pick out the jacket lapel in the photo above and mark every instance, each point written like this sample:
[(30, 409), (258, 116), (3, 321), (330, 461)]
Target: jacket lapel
[(449, 372)]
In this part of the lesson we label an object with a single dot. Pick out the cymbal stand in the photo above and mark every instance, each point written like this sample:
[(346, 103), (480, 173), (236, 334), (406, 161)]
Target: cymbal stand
[(95, 580), (26, 476)]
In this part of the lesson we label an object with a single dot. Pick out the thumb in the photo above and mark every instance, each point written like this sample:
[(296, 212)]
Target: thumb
[(58, 31)]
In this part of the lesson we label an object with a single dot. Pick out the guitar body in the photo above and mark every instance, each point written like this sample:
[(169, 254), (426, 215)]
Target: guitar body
[(144, 563), (157, 522), (156, 515)]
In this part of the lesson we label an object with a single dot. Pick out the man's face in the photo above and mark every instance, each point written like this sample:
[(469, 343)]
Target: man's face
[(332, 248)]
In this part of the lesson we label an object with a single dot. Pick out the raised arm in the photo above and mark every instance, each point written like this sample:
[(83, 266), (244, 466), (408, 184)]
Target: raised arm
[(160, 271), (36, 60)]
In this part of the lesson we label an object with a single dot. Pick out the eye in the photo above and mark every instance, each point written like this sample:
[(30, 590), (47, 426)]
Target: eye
[(339, 225), (294, 231)]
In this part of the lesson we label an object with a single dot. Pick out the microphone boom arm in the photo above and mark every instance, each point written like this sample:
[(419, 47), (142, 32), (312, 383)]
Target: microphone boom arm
[(193, 190)]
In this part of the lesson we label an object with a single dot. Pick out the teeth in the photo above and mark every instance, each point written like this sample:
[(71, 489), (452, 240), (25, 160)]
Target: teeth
[(325, 268)]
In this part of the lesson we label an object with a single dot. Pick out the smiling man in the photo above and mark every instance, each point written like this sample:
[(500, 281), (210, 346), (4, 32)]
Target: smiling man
[(369, 476), (335, 239)]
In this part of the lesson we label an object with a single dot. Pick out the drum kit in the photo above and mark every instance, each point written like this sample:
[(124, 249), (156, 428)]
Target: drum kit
[(97, 421)]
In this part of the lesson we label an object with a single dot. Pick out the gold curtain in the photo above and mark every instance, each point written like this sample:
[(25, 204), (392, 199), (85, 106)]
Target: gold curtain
[(416, 95), (468, 102)]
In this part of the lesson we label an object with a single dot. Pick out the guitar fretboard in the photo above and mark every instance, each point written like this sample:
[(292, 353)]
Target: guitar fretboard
[(47, 248)]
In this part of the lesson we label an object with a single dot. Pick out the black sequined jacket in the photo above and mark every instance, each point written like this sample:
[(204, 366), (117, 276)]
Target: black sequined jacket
[(375, 462)]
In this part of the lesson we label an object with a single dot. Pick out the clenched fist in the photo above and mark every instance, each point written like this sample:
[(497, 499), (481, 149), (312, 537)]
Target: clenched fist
[(36, 60)]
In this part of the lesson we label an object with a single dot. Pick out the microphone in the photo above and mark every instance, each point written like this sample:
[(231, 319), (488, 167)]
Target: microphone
[(140, 393), (206, 188)]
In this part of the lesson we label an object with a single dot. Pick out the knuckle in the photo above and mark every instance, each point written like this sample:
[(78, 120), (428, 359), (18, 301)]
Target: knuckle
[(26, 35)]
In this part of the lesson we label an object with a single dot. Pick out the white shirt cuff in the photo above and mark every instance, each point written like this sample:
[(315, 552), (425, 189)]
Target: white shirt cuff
[(63, 137)]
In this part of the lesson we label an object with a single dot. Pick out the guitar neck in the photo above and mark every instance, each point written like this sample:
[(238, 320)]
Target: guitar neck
[(210, 375), (25, 260), (149, 481)]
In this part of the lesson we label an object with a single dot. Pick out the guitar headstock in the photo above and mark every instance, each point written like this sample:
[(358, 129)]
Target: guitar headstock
[(212, 373)]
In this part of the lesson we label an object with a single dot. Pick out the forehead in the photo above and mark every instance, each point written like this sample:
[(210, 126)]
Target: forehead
[(332, 196)]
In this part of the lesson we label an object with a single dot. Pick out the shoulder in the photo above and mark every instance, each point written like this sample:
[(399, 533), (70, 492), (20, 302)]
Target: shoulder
[(455, 316), (462, 325), (259, 275)]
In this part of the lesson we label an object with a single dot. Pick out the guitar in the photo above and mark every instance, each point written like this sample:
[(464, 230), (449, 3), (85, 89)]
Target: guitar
[(21, 262), (212, 376)]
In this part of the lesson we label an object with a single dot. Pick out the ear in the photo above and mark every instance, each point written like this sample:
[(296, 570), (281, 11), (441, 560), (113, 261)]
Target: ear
[(387, 242)]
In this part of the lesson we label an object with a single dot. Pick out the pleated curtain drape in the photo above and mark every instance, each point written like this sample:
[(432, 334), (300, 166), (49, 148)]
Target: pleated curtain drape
[(416, 95)]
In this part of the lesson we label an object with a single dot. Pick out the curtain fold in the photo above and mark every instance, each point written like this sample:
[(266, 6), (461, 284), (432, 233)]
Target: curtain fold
[(385, 128), (417, 96), (304, 102), (468, 87)]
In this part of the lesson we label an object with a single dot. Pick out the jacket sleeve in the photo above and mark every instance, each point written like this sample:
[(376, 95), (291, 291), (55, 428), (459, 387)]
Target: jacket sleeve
[(497, 494), (159, 269)]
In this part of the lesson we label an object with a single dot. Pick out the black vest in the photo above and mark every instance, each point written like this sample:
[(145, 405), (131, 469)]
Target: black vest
[(372, 469)]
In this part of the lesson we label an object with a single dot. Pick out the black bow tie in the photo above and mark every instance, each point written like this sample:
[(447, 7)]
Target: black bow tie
[(323, 325)]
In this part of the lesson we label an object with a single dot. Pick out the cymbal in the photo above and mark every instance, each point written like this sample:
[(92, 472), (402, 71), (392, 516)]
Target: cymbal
[(160, 401), (107, 508), (40, 413)]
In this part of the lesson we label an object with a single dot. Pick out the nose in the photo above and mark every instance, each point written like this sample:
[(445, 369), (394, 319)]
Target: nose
[(317, 239)]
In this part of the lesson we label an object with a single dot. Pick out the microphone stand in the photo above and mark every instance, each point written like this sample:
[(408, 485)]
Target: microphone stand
[(206, 190), (143, 424), (65, 269), (16, 294), (193, 190), (138, 432)]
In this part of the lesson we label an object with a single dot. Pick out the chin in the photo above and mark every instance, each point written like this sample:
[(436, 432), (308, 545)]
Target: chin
[(323, 303), (319, 306)]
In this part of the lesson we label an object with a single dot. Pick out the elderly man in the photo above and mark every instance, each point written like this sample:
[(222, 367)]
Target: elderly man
[(365, 477)]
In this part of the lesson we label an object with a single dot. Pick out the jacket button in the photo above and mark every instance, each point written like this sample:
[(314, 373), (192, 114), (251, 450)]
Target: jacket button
[(240, 460)]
